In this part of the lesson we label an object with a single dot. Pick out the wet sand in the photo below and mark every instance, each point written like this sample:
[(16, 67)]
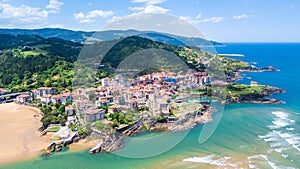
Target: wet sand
[(84, 144), (20, 139)]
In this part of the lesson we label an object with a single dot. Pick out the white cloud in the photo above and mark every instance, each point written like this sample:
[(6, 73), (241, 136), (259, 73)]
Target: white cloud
[(56, 26), (16, 15), (22, 13), (149, 9), (242, 16), (155, 9), (213, 19), (149, 2), (189, 19), (136, 8), (92, 15), (54, 6), (198, 19), (199, 16)]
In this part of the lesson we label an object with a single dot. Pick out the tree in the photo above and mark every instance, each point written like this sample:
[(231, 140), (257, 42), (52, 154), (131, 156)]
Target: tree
[(47, 82)]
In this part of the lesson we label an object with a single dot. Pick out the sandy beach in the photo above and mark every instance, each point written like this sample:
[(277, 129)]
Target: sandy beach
[(20, 139), (84, 144)]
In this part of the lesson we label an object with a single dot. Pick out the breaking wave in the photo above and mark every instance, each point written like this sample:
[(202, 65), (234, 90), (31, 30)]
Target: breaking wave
[(255, 159), (211, 159)]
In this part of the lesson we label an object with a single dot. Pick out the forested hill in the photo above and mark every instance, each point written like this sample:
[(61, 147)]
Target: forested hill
[(42, 44), (30, 61)]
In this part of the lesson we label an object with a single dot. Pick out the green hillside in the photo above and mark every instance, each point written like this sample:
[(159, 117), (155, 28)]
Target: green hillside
[(30, 61)]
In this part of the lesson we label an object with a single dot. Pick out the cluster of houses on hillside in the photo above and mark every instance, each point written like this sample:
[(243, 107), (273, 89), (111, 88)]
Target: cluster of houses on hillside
[(46, 95), (154, 91)]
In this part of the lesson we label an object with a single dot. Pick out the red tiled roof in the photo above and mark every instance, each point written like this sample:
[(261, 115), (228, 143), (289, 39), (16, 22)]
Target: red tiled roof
[(47, 96), (66, 94), (45, 88), (23, 96), (70, 107), (3, 90), (56, 97)]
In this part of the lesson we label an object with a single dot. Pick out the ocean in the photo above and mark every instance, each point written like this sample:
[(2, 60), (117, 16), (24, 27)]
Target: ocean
[(248, 135)]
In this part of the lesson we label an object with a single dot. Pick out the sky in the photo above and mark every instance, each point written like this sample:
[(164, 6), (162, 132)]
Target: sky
[(220, 20)]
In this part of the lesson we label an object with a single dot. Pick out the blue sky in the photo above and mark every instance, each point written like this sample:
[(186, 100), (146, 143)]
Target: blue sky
[(221, 20)]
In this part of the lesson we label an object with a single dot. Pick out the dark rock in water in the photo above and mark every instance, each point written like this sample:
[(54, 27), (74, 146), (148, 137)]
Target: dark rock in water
[(58, 148)]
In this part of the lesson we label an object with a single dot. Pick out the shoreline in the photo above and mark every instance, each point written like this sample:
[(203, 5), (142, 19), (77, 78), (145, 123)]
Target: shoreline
[(19, 126), (21, 140)]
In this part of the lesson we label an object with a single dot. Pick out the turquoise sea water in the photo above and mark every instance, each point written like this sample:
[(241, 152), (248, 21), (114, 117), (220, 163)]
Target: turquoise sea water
[(248, 136)]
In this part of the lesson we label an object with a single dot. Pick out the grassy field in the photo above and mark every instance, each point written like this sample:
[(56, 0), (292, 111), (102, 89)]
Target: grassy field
[(31, 53), (53, 128), (237, 90)]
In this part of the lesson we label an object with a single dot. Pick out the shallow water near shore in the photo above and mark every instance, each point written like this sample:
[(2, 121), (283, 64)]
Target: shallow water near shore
[(248, 136)]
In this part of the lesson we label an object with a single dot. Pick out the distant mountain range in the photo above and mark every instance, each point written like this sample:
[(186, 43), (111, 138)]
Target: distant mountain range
[(93, 36)]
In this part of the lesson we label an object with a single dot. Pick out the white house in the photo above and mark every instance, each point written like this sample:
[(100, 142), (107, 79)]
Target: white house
[(66, 97), (105, 81), (3, 91), (23, 98), (56, 99), (43, 91), (46, 99)]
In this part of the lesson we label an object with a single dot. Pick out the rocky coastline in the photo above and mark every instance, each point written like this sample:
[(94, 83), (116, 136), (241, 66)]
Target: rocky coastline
[(188, 122), (256, 69), (259, 99), (116, 141)]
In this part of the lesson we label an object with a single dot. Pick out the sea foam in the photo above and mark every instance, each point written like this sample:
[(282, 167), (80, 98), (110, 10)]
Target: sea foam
[(281, 136), (265, 158), (210, 159)]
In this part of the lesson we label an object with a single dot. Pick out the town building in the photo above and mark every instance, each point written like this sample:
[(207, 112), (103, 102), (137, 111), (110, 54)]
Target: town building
[(23, 98), (69, 110), (3, 91), (93, 114), (43, 91)]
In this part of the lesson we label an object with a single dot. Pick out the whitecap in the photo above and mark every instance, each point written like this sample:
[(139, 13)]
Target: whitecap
[(280, 150), (280, 114), (266, 158), (284, 155), (292, 139), (280, 123), (276, 144), (272, 139), (292, 121), (210, 160), (268, 135)]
